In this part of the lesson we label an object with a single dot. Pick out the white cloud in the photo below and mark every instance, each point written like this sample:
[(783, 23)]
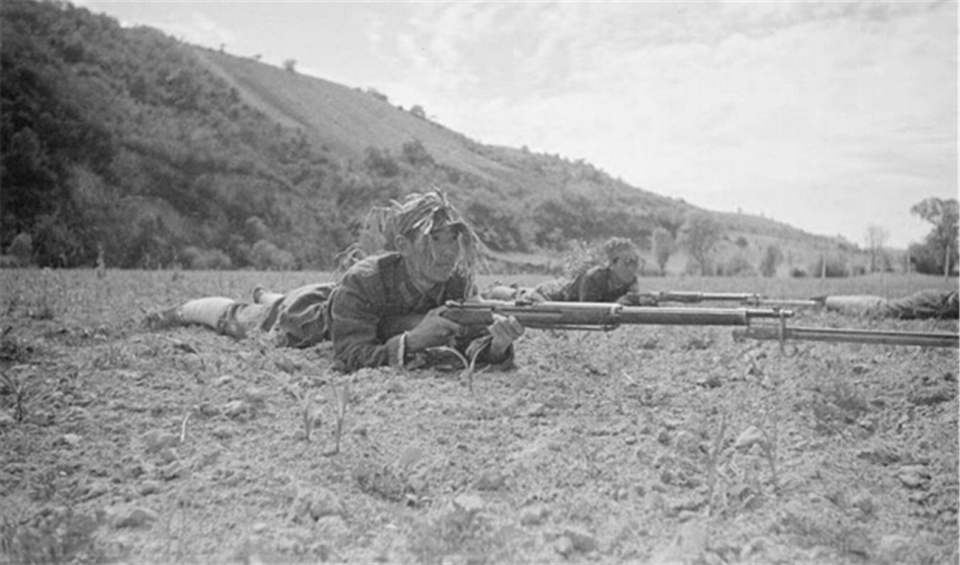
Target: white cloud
[(729, 106), (200, 29)]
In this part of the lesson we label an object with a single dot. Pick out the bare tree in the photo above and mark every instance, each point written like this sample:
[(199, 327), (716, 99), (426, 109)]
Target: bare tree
[(876, 238), (699, 234), (663, 247)]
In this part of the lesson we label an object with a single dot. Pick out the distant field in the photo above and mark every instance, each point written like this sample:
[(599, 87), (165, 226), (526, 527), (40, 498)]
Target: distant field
[(146, 290)]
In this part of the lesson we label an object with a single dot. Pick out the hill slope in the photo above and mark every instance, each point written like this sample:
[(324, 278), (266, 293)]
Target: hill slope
[(151, 152)]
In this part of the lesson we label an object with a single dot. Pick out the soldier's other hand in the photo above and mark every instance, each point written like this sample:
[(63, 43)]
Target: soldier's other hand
[(505, 330), (433, 331)]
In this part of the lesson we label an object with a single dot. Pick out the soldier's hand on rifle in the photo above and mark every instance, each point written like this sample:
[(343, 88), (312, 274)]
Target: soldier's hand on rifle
[(433, 330), (647, 300), (505, 330)]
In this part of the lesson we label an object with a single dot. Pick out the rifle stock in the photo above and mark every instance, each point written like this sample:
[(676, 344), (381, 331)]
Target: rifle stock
[(602, 315)]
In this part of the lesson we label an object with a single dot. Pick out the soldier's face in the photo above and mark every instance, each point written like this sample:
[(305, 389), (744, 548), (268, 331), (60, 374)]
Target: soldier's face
[(432, 258), (624, 265)]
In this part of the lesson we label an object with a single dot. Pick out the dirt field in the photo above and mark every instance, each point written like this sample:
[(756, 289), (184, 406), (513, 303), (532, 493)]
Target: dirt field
[(642, 445)]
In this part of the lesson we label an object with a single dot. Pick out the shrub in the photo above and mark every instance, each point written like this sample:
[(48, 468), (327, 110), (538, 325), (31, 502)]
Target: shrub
[(772, 258), (414, 153), (206, 259), (267, 256), (22, 248), (380, 162), (830, 267), (737, 266), (925, 259)]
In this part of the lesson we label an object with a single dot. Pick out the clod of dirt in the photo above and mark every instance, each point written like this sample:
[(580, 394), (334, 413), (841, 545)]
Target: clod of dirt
[(136, 517), (931, 397), (880, 456), (72, 441), (155, 441), (536, 410), (236, 409), (491, 480), (914, 476), (315, 503), (535, 516), (750, 437)]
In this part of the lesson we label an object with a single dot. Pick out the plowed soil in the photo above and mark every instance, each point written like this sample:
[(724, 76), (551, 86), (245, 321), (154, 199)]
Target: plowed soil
[(641, 445)]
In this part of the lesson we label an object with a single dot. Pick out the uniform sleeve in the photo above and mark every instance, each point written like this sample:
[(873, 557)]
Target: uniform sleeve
[(592, 286), (355, 314), (631, 295)]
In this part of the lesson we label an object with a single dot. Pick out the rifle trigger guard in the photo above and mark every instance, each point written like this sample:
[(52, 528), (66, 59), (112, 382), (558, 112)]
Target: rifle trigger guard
[(614, 322)]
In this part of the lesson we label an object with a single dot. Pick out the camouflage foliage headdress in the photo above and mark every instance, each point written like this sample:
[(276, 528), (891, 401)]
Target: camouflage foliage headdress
[(421, 214), (581, 259)]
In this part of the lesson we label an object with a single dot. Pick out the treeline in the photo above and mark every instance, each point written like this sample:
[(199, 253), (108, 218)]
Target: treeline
[(116, 141), (119, 144)]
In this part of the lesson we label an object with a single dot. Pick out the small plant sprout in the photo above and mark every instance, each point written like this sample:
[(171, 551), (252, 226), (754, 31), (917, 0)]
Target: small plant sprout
[(713, 462), (469, 367), (183, 428), (769, 448), (342, 397), (307, 420), (312, 416)]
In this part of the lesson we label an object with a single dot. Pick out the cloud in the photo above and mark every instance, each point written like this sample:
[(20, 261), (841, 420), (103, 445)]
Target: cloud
[(196, 27)]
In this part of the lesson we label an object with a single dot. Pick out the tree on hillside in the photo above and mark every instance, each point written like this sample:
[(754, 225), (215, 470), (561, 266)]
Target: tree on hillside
[(663, 247), (698, 235), (875, 237), (941, 242), (772, 258)]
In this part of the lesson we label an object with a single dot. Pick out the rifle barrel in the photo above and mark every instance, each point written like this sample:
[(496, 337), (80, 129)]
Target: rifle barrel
[(696, 316), (784, 303), (694, 297), (887, 337)]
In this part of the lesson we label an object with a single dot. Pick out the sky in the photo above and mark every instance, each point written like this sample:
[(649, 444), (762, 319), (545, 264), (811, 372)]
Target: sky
[(829, 116)]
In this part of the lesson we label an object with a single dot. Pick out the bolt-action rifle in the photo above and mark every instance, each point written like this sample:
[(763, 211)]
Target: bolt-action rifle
[(608, 316), (602, 315), (743, 298)]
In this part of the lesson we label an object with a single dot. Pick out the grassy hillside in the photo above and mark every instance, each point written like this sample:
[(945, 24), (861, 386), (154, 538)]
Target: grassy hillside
[(128, 145)]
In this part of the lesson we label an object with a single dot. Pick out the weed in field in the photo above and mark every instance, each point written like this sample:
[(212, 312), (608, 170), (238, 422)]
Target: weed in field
[(53, 536), (11, 349), (812, 532), (114, 356), (835, 404), (381, 481), (460, 534), (21, 391)]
